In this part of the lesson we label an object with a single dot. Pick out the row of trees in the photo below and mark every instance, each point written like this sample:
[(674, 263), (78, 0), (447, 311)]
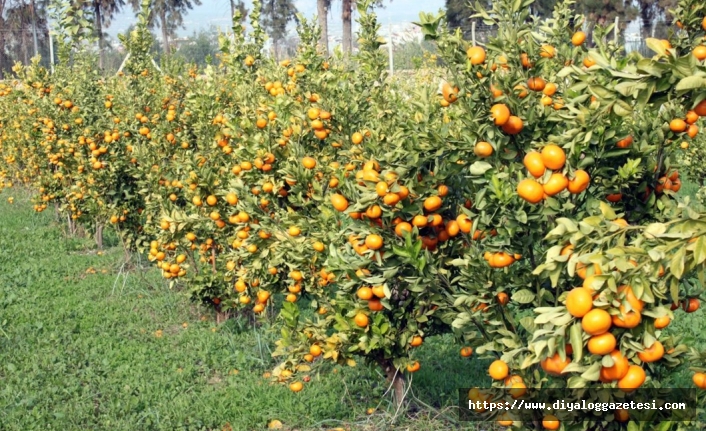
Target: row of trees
[(596, 11)]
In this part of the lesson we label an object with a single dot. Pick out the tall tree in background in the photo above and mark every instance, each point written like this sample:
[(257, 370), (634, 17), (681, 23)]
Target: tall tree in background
[(103, 12), (3, 57), (239, 6), (168, 15), (346, 16), (276, 14), (322, 8), (652, 12), (458, 15)]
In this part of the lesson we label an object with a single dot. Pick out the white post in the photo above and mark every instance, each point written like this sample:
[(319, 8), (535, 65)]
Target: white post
[(123, 63), (473, 32), (389, 50), (615, 30), (51, 50)]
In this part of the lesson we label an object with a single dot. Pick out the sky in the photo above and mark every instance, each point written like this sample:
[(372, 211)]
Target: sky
[(217, 13)]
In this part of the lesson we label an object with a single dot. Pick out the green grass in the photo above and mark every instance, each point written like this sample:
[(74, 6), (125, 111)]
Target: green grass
[(79, 351)]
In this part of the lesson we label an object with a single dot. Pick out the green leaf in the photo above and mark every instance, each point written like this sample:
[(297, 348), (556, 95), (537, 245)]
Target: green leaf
[(676, 267), (691, 83), (480, 168), (576, 338), (523, 296)]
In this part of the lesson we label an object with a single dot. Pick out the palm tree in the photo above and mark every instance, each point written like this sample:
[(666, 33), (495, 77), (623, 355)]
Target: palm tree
[(323, 7), (347, 26), (168, 15), (103, 12)]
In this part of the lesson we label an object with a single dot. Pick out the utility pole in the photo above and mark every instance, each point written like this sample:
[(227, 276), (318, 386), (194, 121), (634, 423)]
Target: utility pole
[(34, 28)]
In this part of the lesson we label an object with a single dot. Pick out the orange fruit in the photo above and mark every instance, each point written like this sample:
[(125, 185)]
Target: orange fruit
[(550, 422), (361, 320), (413, 367), (309, 162), (662, 322), (498, 370), (691, 117), (211, 200), (633, 379), (513, 126), (578, 38), (618, 370), (614, 197), (579, 302), (692, 305), (627, 319), (625, 142), (500, 113), (432, 203), (677, 125), (483, 149), (416, 341), (534, 164), (700, 109), (373, 242), (536, 83), (339, 202), (466, 352), (700, 52), (549, 89), (296, 386), (554, 365), (553, 157), (419, 221), (365, 293), (547, 51), (699, 380), (588, 61), (580, 182), (403, 227), (375, 305), (653, 353), (452, 228), (596, 322), (530, 190), (627, 293), (464, 223), (556, 184), (476, 55), (601, 344), (357, 138)]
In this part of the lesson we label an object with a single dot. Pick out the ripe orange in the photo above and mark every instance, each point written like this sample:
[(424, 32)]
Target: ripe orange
[(211, 200), (699, 380), (498, 370), (596, 322), (677, 125), (416, 341), (483, 149), (549, 89), (500, 113), (432, 203), (373, 241), (361, 320), (554, 365), (553, 157), (614, 197), (556, 184), (231, 198), (309, 162), (627, 293), (375, 305), (578, 38), (513, 126), (365, 293), (403, 227), (580, 182), (476, 55), (662, 322), (621, 415), (339, 202), (653, 353), (579, 302), (550, 422), (294, 231), (588, 61), (452, 228), (700, 52), (547, 51), (601, 344), (357, 138), (413, 367), (536, 83), (315, 350), (627, 319), (633, 379), (691, 117), (534, 164), (466, 352), (420, 221), (692, 305), (618, 370), (530, 190), (700, 109), (296, 386)]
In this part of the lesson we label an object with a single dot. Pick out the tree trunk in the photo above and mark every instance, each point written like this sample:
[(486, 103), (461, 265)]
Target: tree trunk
[(347, 27), (3, 60), (322, 11), (396, 379), (99, 236), (165, 31), (99, 30)]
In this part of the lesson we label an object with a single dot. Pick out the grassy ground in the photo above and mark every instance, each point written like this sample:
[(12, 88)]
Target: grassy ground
[(86, 346)]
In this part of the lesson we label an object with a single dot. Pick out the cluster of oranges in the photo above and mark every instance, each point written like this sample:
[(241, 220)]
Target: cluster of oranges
[(551, 157)]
